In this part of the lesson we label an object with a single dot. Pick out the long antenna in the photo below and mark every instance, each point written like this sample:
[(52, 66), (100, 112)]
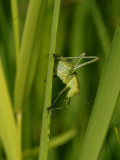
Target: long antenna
[(84, 99)]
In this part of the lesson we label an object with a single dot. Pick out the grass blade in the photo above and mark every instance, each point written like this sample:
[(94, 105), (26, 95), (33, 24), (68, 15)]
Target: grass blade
[(102, 31), (44, 140), (54, 142), (29, 52), (15, 21), (8, 132), (62, 138), (104, 104)]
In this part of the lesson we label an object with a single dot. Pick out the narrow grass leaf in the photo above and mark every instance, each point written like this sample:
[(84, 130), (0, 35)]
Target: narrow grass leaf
[(45, 130), (29, 52), (5, 49), (15, 21), (100, 26), (8, 132), (117, 135), (54, 142), (78, 30), (62, 138), (104, 104)]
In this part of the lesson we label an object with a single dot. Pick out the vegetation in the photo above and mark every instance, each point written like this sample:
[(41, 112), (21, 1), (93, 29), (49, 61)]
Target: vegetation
[(31, 31)]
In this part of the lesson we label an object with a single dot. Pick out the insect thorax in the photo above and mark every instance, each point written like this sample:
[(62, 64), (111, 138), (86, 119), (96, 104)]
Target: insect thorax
[(64, 69)]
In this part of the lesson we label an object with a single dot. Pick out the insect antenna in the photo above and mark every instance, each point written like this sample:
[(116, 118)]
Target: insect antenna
[(85, 100)]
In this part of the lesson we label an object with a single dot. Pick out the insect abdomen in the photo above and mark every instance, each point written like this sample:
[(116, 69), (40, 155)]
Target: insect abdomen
[(65, 73), (74, 86)]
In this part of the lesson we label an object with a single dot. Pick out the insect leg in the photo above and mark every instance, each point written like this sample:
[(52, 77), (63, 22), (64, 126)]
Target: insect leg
[(56, 94), (78, 59), (81, 56), (63, 90), (74, 58), (68, 102), (94, 59)]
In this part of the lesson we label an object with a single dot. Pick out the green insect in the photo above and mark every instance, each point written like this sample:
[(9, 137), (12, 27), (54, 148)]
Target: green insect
[(66, 71)]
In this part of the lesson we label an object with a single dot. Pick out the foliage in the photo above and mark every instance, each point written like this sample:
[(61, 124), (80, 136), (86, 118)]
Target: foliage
[(31, 31)]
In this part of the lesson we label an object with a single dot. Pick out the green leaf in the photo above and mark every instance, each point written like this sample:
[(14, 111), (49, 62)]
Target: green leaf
[(15, 21), (62, 138), (8, 132), (101, 28), (104, 104), (54, 142), (29, 52), (45, 128)]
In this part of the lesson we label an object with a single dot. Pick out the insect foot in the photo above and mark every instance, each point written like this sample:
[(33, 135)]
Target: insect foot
[(51, 113), (51, 110), (48, 108)]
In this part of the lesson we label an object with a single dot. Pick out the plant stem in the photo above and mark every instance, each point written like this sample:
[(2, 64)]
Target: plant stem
[(105, 103), (15, 21), (45, 130), (54, 142), (102, 31), (19, 132)]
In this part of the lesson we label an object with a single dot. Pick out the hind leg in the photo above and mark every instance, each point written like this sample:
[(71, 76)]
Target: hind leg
[(64, 89), (67, 102)]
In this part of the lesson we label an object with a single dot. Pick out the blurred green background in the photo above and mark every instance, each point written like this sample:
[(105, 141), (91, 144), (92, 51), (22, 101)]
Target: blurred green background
[(84, 26)]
